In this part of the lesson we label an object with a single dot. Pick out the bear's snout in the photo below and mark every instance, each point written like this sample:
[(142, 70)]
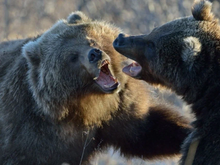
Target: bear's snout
[(119, 41)]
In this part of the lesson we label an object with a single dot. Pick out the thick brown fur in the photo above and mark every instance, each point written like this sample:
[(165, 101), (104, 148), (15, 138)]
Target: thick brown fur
[(52, 111), (184, 55)]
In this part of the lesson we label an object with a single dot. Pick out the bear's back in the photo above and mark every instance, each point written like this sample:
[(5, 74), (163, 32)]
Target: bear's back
[(10, 51)]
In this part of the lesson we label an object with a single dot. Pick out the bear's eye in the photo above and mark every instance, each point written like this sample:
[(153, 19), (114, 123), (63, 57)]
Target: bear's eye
[(93, 42), (150, 50), (73, 57), (150, 44)]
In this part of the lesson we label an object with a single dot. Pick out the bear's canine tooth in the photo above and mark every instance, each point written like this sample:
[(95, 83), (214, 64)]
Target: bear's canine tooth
[(106, 86), (131, 70)]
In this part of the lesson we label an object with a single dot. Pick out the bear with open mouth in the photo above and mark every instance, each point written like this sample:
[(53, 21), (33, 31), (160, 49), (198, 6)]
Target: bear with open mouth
[(63, 98), (184, 55)]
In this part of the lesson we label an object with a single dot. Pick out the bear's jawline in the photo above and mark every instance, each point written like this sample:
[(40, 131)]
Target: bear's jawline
[(133, 69), (106, 80)]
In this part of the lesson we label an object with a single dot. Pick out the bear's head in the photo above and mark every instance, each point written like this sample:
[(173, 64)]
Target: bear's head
[(73, 61), (176, 53)]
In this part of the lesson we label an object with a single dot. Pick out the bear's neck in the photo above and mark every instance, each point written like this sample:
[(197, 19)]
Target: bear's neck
[(95, 108), (203, 94), (206, 110)]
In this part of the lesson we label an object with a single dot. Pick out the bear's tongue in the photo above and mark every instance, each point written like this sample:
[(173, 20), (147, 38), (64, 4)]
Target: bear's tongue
[(133, 69), (106, 80)]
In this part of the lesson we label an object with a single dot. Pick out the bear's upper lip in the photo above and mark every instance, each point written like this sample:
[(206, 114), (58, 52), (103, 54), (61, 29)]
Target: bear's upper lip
[(106, 80)]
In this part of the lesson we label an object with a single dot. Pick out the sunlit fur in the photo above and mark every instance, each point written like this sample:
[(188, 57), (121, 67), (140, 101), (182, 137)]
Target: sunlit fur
[(53, 112)]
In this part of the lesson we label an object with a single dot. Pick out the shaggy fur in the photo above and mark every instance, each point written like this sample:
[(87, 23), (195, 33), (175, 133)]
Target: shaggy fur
[(184, 55), (52, 111)]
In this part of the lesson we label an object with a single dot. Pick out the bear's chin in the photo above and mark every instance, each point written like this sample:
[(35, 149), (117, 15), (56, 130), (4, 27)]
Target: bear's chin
[(113, 89)]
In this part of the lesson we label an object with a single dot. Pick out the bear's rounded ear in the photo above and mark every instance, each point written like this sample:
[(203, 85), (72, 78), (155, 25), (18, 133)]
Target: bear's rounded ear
[(31, 52), (201, 10), (77, 17), (191, 48)]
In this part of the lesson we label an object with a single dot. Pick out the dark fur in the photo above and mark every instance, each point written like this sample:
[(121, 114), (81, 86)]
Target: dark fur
[(184, 55), (52, 111)]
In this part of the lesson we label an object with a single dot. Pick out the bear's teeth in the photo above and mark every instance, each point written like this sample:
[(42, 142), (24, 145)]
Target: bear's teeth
[(106, 86), (131, 70), (134, 64), (95, 78)]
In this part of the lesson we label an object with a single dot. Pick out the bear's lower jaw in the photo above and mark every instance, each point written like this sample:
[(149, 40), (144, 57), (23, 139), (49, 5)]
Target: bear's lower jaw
[(109, 88), (106, 81), (133, 69)]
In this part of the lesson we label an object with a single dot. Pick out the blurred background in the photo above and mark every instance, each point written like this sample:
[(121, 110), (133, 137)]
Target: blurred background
[(23, 18)]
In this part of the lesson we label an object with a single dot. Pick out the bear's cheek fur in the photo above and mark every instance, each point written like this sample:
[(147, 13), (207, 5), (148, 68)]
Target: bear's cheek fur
[(91, 68), (148, 60)]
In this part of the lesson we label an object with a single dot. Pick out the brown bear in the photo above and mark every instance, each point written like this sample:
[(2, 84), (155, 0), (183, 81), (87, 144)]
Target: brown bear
[(63, 97), (184, 55)]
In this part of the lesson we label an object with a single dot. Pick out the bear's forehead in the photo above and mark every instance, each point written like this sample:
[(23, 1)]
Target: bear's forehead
[(99, 35), (187, 26), (91, 29), (177, 25)]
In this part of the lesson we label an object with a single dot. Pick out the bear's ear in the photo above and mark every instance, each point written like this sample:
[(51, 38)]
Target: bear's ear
[(201, 10), (77, 17), (191, 48), (31, 52)]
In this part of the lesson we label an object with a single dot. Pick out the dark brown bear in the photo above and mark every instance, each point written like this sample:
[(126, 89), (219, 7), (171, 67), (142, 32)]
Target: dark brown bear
[(184, 55), (63, 97)]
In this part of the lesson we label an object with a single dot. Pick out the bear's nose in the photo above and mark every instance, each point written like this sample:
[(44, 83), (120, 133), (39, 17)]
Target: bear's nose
[(94, 55), (119, 41)]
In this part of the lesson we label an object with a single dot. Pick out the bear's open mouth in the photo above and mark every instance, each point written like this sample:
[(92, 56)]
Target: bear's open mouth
[(133, 69), (106, 80)]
